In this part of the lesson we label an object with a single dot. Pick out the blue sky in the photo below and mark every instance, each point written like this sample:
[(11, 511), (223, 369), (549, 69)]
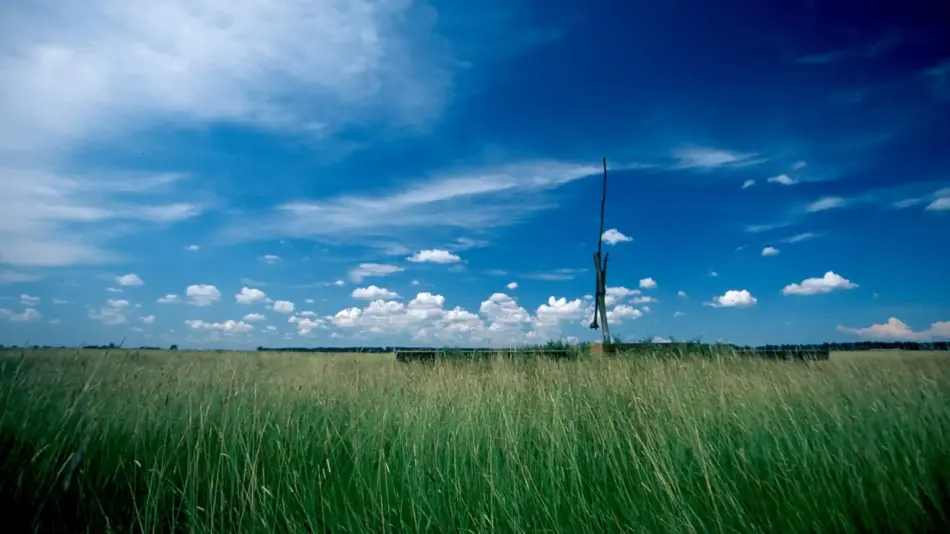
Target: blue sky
[(235, 173)]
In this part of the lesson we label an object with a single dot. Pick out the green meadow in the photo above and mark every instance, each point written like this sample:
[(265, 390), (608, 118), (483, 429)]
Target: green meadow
[(140, 441)]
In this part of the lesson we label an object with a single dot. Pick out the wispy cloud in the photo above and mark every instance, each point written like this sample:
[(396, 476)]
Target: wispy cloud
[(50, 219), (703, 158), (557, 275), (826, 203), (470, 200), (760, 228), (797, 238), (81, 75)]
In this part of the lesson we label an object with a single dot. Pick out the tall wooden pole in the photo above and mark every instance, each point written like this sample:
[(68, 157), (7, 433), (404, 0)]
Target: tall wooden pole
[(600, 268)]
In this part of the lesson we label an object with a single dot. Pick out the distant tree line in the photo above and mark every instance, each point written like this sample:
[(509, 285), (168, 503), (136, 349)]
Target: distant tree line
[(552, 345)]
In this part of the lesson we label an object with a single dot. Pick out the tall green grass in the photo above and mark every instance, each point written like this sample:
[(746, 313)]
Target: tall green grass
[(250, 442)]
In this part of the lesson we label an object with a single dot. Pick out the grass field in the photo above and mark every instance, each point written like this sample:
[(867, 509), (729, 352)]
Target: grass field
[(249, 442)]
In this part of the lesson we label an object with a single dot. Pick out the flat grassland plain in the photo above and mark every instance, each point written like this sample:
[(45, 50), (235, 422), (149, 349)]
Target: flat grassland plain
[(130, 441)]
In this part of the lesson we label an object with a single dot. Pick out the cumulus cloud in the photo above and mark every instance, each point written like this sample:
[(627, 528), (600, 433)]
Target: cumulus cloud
[(170, 298), (29, 300), (202, 294), (815, 286), (270, 258), (367, 270), (894, 328), (681, 293), (130, 279), (283, 306), (512, 286), (249, 295), (373, 293), (613, 236), (113, 313), (227, 327), (770, 251), (252, 317), (647, 283), (148, 319), (621, 312), (434, 256), (560, 309), (29, 315), (733, 298), (192, 247), (747, 184)]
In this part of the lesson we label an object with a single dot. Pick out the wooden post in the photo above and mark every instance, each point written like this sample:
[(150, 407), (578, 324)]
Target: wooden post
[(600, 270)]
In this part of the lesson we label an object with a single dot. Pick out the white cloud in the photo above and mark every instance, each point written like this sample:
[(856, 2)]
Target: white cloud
[(474, 199), (681, 293), (710, 158), (941, 204), (270, 328), (110, 315), (192, 247), (29, 315), (60, 301), (51, 219), (311, 67), (502, 310), (130, 279), (29, 300), (228, 327), (783, 179), (148, 319), (561, 309), (799, 165), (366, 270), (373, 293), (621, 312), (415, 282), (897, 329), (202, 294), (434, 256), (733, 298), (283, 306), (642, 300), (713, 274), (678, 314), (249, 295), (616, 294), (613, 236), (270, 258), (747, 184), (170, 298), (825, 203), (252, 317), (770, 251), (512, 286), (114, 290), (647, 283), (814, 286), (759, 228), (56, 321), (800, 237), (339, 283)]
